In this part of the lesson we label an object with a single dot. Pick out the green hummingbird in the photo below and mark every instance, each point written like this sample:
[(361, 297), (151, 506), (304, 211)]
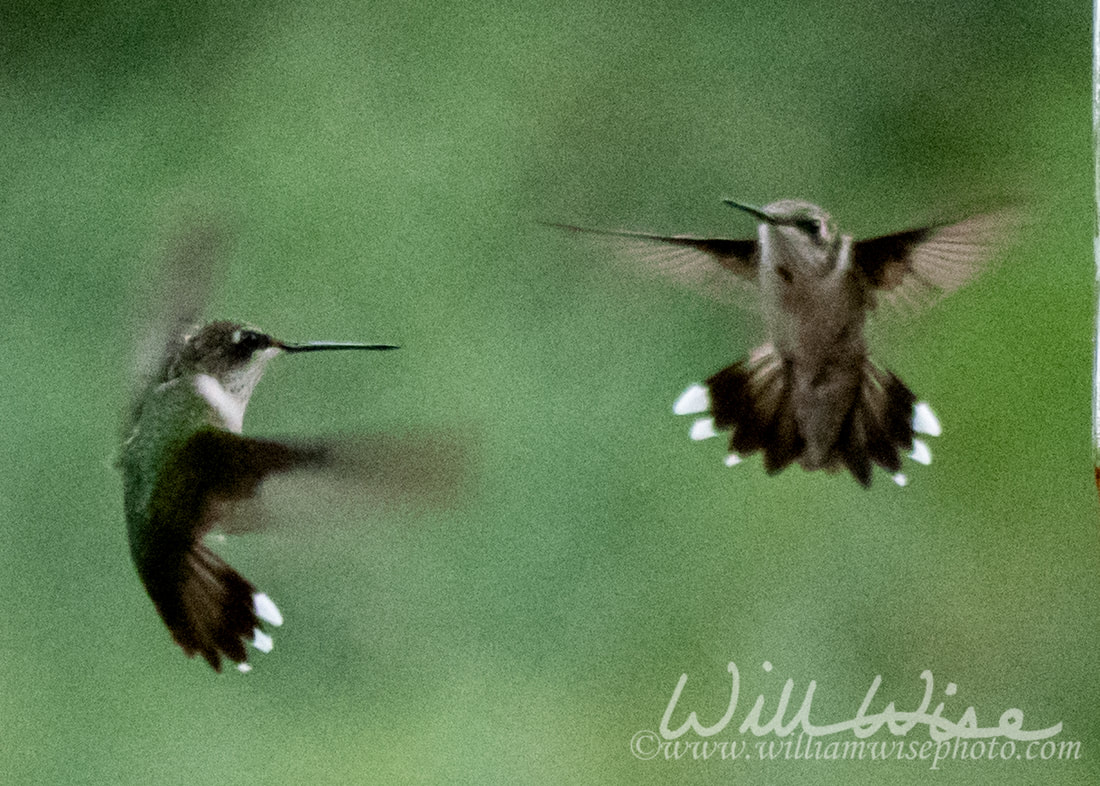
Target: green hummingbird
[(183, 460), (189, 472)]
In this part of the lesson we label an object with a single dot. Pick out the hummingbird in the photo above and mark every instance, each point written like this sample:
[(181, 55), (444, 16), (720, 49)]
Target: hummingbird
[(811, 394), (189, 474), (183, 461)]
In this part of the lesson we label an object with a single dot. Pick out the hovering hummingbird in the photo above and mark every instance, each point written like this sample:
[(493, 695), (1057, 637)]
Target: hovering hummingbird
[(188, 470), (183, 460), (811, 394)]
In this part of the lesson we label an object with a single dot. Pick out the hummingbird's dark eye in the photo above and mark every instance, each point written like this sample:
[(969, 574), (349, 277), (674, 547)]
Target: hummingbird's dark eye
[(245, 342), (809, 225)]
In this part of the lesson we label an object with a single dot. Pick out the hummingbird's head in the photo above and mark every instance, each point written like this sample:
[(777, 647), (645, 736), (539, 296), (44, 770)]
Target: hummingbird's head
[(233, 354), (801, 233), (236, 355), (805, 218)]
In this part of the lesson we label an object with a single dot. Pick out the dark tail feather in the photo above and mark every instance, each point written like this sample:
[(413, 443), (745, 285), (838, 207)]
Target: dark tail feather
[(879, 425), (217, 601), (209, 607), (752, 399)]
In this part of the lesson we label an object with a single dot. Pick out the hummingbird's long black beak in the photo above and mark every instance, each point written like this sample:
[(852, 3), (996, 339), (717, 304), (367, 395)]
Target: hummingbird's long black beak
[(755, 212), (322, 346)]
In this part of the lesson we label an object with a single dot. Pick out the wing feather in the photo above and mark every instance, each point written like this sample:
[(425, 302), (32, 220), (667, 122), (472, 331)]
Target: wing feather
[(917, 267), (722, 269)]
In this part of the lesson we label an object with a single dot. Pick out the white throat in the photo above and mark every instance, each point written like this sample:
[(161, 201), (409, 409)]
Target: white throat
[(230, 408)]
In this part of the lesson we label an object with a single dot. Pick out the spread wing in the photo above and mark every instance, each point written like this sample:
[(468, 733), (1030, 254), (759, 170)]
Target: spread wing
[(171, 305), (917, 267), (719, 268)]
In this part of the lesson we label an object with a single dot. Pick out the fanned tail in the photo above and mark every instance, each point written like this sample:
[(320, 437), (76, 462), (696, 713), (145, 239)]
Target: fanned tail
[(753, 401), (209, 607), (878, 426)]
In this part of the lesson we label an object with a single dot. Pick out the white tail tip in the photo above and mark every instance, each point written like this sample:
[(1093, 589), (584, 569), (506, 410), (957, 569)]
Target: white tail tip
[(262, 641), (925, 420), (900, 479), (921, 454), (732, 460), (244, 668), (703, 428), (266, 609), (692, 401)]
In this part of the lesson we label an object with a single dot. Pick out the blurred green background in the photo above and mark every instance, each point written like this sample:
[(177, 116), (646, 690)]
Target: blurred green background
[(382, 169)]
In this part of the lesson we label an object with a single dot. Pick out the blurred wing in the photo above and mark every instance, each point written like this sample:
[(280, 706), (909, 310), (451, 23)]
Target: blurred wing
[(722, 269), (209, 607), (211, 482), (215, 468), (914, 269), (371, 473), (171, 304)]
